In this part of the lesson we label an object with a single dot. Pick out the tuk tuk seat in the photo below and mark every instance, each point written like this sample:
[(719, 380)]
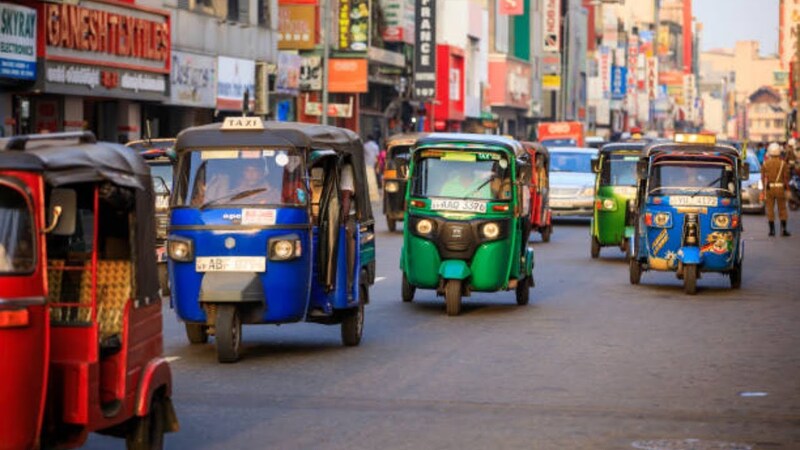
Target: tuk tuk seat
[(113, 292)]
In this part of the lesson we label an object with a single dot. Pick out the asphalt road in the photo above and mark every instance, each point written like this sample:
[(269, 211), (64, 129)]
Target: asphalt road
[(592, 363)]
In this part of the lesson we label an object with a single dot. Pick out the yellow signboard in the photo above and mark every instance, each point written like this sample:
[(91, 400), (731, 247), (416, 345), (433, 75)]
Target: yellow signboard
[(551, 82)]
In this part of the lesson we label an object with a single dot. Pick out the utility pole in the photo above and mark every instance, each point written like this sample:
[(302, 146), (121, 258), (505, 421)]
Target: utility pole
[(326, 52)]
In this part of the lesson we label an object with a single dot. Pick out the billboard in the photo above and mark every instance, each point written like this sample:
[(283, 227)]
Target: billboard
[(425, 54)]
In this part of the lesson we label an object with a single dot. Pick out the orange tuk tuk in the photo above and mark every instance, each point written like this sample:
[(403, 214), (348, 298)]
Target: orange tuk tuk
[(80, 314), (541, 220)]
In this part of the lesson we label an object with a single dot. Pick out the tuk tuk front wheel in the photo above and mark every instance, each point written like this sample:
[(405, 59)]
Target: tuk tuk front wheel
[(690, 278), (452, 297), (408, 290), (353, 322), (392, 224), (595, 248), (228, 333), (147, 433), (636, 271), (197, 333), (523, 291)]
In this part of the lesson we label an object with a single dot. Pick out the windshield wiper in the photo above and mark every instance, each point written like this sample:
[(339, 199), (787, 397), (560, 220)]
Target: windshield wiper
[(479, 187), (706, 186), (234, 196)]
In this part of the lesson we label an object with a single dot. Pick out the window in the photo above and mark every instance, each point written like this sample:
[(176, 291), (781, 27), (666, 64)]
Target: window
[(17, 237), (466, 175), (263, 13)]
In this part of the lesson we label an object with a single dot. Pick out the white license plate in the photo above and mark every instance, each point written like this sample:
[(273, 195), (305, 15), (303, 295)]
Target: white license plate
[(687, 200), (449, 204), (231, 264)]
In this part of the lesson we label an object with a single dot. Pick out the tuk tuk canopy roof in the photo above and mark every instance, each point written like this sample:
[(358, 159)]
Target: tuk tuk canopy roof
[(623, 146), (404, 139), (690, 149), (537, 148), (511, 145), (66, 158)]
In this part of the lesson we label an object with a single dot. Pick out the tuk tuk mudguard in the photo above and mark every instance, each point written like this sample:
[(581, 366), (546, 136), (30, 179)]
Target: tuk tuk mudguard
[(425, 270), (157, 374), (454, 269), (490, 265), (690, 255)]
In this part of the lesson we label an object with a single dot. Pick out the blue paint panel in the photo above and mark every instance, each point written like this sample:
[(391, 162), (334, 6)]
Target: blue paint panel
[(20, 70)]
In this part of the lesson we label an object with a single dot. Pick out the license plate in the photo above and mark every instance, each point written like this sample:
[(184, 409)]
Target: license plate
[(449, 204), (687, 200), (231, 264)]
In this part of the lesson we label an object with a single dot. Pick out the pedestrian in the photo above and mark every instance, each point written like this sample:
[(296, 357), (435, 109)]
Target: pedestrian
[(371, 151), (775, 177), (762, 149)]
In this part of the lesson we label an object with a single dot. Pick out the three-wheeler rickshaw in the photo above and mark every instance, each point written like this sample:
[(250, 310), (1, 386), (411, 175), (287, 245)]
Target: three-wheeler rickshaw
[(80, 315), (541, 219), (270, 224), (615, 196), (467, 221), (395, 176), (689, 210)]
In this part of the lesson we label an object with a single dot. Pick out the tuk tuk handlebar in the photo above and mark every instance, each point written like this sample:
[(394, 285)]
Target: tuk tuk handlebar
[(20, 142)]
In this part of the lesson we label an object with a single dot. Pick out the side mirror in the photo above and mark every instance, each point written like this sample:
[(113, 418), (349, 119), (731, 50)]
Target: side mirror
[(641, 169), (596, 165), (62, 212), (160, 186), (745, 171)]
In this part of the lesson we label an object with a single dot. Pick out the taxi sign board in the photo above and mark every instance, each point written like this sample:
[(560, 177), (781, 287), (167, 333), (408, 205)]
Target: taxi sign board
[(695, 138), (242, 124)]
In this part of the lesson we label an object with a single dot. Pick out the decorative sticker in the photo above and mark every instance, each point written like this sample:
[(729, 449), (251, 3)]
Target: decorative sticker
[(660, 241), (258, 217), (718, 243)]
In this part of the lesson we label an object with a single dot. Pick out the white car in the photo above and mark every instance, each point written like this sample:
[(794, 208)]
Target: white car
[(572, 181)]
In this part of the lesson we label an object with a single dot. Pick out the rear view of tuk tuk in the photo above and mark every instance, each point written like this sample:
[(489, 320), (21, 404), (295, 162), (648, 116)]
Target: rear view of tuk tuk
[(467, 219), (80, 313), (541, 219), (615, 196), (689, 210), (270, 224), (395, 176)]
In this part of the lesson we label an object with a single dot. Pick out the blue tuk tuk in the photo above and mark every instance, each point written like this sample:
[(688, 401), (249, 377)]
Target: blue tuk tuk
[(271, 223), (688, 210)]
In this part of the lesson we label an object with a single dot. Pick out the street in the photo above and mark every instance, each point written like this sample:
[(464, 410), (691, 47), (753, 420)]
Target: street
[(592, 363)]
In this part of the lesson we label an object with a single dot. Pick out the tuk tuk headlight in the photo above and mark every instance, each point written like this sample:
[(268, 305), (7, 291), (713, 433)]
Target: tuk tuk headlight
[(606, 204), (392, 187), (661, 219), (587, 192), (424, 226), (282, 249), (721, 221), (490, 230), (180, 249)]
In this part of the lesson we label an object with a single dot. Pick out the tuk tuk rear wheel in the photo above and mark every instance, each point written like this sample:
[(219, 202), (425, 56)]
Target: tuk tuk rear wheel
[(595, 248), (546, 232), (228, 333), (147, 433), (353, 322), (197, 333), (690, 278), (408, 290), (523, 291), (452, 297), (636, 271), (392, 224)]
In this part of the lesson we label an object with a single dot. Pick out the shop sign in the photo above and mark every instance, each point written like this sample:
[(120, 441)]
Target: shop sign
[(353, 25), (425, 46), (386, 57), (511, 7), (347, 75), (454, 82), (311, 73), (108, 34), (194, 80), (604, 67), (651, 82), (619, 82), (234, 77), (334, 109), (17, 42), (296, 27), (519, 84), (511, 83), (288, 79), (398, 16), (80, 79), (551, 20), (551, 82), (787, 32)]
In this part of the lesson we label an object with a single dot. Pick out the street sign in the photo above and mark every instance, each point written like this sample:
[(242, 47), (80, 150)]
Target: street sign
[(619, 82)]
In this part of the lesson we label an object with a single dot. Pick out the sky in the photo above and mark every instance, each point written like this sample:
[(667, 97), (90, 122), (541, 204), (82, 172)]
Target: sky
[(728, 21)]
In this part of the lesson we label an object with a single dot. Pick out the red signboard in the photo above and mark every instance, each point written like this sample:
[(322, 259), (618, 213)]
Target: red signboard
[(511, 7), (510, 83), (449, 83)]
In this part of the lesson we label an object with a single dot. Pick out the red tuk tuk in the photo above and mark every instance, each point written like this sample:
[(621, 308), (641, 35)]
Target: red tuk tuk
[(80, 314), (541, 220)]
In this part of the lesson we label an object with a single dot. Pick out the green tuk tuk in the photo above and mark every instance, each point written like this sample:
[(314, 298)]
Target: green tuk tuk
[(615, 196), (467, 219)]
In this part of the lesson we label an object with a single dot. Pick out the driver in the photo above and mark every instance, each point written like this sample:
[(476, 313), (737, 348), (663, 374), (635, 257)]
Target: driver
[(462, 185), (254, 187)]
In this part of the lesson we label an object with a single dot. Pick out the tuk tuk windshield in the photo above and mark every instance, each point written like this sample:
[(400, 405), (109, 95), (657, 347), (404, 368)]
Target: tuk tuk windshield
[(462, 174), (240, 177), (619, 170), (16, 233), (703, 178)]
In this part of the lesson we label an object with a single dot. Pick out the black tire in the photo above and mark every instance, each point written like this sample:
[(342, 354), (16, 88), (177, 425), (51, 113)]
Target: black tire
[(392, 224), (595, 248), (197, 333), (736, 276), (690, 278), (353, 322), (636, 271), (523, 291), (794, 205), (147, 433), (452, 297), (626, 249), (408, 290), (546, 232), (228, 334)]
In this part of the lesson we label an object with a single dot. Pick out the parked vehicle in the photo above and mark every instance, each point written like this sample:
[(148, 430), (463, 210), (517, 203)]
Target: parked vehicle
[(753, 188), (467, 218), (615, 199), (540, 217), (688, 211), (560, 134), (80, 314), (395, 176), (572, 181), (271, 223)]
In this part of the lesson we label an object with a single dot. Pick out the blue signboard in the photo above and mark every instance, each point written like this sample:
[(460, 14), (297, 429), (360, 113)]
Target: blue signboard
[(619, 82), (17, 42)]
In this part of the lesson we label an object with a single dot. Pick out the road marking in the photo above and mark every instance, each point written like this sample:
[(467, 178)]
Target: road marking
[(172, 358), (753, 394), (379, 279)]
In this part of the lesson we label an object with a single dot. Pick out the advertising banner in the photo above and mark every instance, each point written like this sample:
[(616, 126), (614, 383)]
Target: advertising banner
[(17, 42), (551, 11), (789, 20), (398, 16), (511, 7), (347, 75), (288, 79), (296, 27), (194, 80), (604, 68), (235, 76), (619, 82), (311, 73), (353, 25), (425, 54)]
